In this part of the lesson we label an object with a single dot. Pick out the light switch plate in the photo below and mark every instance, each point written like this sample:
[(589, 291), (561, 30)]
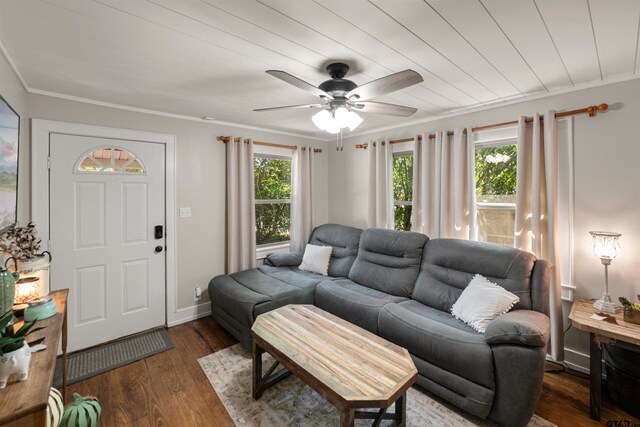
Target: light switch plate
[(185, 212)]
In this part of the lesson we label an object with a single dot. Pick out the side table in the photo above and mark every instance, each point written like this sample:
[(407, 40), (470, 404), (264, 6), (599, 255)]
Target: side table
[(25, 403), (600, 331)]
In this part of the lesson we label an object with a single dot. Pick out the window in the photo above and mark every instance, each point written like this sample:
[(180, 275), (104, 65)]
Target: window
[(272, 180), (109, 160), (402, 190), (496, 191)]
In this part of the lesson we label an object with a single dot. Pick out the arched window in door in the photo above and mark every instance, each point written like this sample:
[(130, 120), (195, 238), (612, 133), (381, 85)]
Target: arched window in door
[(109, 160)]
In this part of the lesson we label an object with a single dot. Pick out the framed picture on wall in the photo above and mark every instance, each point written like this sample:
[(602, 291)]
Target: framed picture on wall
[(9, 138)]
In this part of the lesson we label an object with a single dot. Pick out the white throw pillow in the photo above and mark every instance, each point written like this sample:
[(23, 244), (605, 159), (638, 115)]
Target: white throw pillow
[(316, 259), (481, 302)]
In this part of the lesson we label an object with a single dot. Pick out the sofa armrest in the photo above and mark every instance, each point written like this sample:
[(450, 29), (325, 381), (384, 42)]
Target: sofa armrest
[(284, 259), (524, 327)]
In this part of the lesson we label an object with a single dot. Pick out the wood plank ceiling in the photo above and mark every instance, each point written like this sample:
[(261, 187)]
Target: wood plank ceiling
[(208, 57)]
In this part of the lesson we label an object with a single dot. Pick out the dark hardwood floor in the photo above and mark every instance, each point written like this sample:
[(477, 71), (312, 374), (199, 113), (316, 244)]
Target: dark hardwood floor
[(170, 389)]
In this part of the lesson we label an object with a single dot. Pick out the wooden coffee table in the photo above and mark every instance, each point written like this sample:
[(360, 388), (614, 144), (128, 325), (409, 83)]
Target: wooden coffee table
[(349, 366)]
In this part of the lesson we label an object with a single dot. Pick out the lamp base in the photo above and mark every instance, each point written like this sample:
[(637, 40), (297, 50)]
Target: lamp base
[(605, 304)]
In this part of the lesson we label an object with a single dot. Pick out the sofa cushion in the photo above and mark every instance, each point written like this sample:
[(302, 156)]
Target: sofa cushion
[(448, 265), (481, 302), (316, 258), (522, 327), (388, 260), (283, 259), (246, 294), (344, 241), (438, 338), (352, 302)]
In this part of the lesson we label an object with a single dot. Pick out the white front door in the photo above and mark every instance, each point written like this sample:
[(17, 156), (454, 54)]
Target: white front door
[(107, 204)]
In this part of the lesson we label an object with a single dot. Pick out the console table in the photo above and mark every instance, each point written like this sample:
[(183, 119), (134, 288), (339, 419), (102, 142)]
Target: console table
[(25, 403), (600, 331)]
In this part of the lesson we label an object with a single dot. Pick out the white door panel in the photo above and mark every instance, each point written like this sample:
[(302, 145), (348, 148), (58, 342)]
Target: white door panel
[(102, 221)]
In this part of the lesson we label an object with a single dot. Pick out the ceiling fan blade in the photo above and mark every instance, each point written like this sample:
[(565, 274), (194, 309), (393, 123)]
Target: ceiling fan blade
[(290, 106), (300, 84), (384, 108), (384, 85)]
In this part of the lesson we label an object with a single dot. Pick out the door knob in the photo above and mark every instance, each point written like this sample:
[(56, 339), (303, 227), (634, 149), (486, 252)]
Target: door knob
[(158, 249)]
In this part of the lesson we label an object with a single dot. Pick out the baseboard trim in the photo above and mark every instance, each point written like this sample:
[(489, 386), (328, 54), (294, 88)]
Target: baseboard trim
[(189, 313), (576, 360)]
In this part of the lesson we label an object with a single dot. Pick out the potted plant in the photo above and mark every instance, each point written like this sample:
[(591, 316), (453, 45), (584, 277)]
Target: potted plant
[(631, 310), (23, 247), (15, 353)]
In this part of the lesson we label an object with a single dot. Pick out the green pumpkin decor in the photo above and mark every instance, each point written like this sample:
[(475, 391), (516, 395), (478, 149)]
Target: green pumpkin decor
[(82, 412)]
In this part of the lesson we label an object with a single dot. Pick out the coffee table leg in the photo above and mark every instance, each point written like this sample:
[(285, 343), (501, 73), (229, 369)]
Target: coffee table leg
[(401, 410), (347, 418), (257, 371)]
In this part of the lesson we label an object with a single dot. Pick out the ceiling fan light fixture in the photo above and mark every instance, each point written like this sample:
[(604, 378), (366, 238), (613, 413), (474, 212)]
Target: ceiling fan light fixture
[(353, 120), (322, 119), (342, 117), (332, 127)]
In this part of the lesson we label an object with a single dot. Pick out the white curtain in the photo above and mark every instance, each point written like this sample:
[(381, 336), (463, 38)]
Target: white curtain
[(301, 197), (444, 200), (537, 208), (380, 211), (241, 217)]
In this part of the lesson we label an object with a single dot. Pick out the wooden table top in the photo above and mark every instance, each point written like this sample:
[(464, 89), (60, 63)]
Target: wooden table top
[(349, 366), (622, 331), (18, 399)]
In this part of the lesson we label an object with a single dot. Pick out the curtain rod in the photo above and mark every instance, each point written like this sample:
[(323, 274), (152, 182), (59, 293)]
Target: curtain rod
[(226, 139), (591, 110)]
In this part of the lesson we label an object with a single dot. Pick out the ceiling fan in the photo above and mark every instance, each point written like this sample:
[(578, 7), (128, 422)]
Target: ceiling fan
[(341, 98)]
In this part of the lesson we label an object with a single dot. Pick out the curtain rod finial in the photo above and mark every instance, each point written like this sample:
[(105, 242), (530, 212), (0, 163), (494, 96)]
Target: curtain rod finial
[(594, 109)]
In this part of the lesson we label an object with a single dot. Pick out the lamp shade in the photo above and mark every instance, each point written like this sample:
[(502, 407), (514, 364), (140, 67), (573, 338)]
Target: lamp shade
[(322, 119), (342, 117), (605, 244), (354, 121), (27, 289)]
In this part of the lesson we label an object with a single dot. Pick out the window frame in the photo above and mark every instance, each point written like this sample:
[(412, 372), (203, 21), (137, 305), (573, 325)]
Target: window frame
[(489, 143), (118, 170), (285, 245)]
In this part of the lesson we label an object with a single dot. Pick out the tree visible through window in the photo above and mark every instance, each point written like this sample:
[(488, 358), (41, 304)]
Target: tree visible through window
[(402, 191), (496, 192), (272, 180)]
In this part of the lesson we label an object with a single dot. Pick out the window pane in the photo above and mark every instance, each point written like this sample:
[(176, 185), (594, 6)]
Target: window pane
[(273, 222), (496, 184), (496, 226), (272, 178), (110, 160), (403, 178), (402, 217), (496, 174)]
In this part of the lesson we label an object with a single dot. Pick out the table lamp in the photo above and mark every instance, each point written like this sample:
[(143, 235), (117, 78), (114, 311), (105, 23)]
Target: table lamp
[(27, 288), (606, 247)]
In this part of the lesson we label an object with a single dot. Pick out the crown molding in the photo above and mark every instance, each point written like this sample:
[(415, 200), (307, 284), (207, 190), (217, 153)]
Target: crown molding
[(13, 66), (36, 91), (498, 104), (165, 114), (456, 113)]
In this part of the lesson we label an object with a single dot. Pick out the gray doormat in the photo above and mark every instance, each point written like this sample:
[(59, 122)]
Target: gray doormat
[(88, 363)]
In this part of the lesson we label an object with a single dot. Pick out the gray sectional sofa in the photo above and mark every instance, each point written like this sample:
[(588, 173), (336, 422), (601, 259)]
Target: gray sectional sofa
[(401, 286)]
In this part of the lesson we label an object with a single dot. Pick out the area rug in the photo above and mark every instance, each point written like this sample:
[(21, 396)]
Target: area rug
[(94, 361), (292, 403)]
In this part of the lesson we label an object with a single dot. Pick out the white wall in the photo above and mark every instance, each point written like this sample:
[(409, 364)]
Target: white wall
[(200, 179), (607, 183)]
